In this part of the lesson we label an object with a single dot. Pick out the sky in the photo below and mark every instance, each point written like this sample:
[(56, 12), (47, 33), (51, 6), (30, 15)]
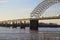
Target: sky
[(16, 9)]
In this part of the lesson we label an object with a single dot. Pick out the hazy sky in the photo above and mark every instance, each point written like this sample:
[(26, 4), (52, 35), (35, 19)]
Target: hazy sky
[(11, 9)]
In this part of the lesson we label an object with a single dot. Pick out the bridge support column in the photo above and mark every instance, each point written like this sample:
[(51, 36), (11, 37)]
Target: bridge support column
[(22, 26), (34, 24)]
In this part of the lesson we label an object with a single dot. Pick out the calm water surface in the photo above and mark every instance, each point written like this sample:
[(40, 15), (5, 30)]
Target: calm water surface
[(27, 34)]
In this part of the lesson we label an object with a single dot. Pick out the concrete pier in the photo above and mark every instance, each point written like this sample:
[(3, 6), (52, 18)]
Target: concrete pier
[(34, 24), (22, 26)]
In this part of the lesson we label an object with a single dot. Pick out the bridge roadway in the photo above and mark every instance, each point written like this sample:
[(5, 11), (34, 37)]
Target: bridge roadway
[(24, 22), (28, 19)]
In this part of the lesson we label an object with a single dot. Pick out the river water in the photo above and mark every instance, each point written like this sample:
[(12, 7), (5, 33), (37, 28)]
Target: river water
[(27, 34)]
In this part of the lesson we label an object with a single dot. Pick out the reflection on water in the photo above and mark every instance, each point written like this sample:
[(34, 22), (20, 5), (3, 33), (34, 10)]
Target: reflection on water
[(27, 34)]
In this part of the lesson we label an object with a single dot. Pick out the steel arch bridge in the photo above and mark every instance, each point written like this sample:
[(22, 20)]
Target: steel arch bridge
[(42, 7)]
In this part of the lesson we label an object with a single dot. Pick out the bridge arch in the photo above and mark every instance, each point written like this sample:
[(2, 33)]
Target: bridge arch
[(42, 7)]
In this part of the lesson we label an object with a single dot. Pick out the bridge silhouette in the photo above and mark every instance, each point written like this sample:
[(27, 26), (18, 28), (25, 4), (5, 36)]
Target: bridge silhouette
[(26, 22), (39, 10), (34, 17)]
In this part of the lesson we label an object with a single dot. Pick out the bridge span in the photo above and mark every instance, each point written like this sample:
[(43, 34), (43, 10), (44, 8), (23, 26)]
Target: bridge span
[(27, 20), (24, 22), (39, 10), (35, 15)]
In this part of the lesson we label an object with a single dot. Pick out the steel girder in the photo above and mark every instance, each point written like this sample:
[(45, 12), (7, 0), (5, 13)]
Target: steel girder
[(42, 7)]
